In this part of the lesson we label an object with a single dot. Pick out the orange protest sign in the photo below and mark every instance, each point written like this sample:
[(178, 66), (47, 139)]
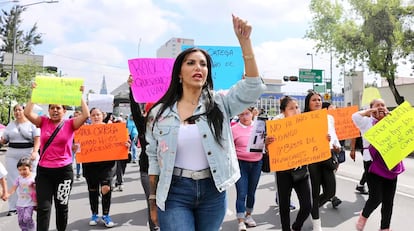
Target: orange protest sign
[(101, 142), (344, 126), (299, 140)]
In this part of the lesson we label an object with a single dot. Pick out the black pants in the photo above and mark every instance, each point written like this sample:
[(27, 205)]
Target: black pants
[(145, 186), (53, 183), (364, 175), (120, 171), (284, 189), (321, 176), (381, 190), (94, 191)]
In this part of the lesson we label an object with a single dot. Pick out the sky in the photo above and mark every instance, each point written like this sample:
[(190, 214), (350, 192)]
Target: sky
[(90, 39)]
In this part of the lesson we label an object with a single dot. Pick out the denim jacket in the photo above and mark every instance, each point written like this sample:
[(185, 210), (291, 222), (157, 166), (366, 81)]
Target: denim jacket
[(162, 138)]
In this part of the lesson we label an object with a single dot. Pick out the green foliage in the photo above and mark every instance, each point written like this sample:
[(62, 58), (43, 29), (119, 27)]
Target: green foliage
[(375, 33), (17, 94)]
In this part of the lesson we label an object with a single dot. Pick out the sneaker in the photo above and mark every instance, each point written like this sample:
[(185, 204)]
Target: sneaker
[(120, 188), (361, 189), (242, 226), (12, 212), (335, 201), (249, 221), (108, 221), (94, 220)]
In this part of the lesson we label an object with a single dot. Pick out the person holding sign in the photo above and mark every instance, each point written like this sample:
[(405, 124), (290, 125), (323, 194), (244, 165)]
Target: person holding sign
[(54, 176), (99, 177), (321, 173), (286, 181), (381, 189), (250, 164), (140, 123), (192, 160)]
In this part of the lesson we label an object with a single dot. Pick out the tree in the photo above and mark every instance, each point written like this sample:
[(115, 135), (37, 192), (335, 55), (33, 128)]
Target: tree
[(25, 41), (9, 24), (374, 33)]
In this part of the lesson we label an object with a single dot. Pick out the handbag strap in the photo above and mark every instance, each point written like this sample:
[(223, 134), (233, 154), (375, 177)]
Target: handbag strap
[(49, 141)]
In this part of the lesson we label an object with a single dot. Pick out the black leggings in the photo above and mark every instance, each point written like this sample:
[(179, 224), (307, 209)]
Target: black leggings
[(284, 189), (53, 183), (321, 176), (93, 188), (381, 190)]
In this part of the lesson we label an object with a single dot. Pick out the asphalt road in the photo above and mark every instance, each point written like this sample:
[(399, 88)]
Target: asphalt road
[(128, 209)]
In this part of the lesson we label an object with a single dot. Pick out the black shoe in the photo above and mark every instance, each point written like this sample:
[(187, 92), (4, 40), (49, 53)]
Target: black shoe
[(335, 202), (12, 212), (361, 189)]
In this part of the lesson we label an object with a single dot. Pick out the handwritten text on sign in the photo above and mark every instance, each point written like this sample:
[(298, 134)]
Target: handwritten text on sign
[(228, 65), (54, 90), (393, 135), (101, 142), (344, 126), (151, 78), (299, 140)]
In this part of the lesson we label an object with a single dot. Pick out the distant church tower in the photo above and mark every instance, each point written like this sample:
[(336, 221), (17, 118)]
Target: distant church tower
[(103, 90)]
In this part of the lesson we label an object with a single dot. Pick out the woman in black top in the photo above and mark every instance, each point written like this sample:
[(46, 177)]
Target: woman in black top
[(140, 121)]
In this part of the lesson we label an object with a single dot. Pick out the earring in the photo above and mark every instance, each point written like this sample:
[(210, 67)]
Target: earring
[(181, 80)]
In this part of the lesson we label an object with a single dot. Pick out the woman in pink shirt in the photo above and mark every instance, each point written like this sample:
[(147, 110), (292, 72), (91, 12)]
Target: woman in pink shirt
[(250, 164), (54, 176)]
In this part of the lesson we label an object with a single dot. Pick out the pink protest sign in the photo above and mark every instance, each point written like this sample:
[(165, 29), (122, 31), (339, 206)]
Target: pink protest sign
[(152, 77)]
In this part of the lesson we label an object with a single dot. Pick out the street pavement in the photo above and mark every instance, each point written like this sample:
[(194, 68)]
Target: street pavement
[(128, 208)]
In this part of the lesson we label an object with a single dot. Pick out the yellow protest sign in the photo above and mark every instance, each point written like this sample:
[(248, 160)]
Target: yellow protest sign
[(369, 94), (393, 135), (299, 140), (101, 142), (56, 90), (344, 126)]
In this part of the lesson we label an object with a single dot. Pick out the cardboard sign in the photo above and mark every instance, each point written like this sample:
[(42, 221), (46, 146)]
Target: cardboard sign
[(56, 90), (256, 140), (344, 126), (393, 135), (369, 94), (228, 65), (299, 140), (101, 101), (151, 78), (101, 142)]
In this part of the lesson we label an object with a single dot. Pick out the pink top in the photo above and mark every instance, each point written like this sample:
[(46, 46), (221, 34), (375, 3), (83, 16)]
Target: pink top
[(241, 136), (59, 152)]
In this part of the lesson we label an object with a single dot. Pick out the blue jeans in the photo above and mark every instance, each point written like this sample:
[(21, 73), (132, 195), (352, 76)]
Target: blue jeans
[(193, 205), (246, 186)]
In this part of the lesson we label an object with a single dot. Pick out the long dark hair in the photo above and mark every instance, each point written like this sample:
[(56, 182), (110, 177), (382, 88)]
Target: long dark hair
[(308, 97), (175, 92)]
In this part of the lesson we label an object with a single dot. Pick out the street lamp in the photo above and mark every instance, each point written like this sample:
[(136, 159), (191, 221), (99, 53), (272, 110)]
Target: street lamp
[(13, 71), (311, 55), (313, 80)]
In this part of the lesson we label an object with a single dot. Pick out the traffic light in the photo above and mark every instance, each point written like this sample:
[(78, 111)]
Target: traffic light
[(290, 78)]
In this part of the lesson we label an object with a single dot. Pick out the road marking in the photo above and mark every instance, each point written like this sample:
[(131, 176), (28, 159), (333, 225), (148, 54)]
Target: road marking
[(398, 191)]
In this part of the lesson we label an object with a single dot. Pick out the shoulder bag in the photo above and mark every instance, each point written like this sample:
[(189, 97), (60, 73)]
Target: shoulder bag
[(300, 173), (265, 162)]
